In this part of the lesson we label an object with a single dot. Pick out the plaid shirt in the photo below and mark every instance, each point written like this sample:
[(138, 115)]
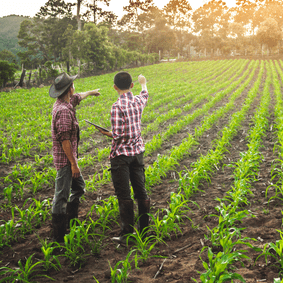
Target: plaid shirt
[(126, 115), (64, 126)]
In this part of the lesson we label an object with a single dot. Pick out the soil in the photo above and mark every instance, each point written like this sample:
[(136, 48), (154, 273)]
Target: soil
[(180, 261)]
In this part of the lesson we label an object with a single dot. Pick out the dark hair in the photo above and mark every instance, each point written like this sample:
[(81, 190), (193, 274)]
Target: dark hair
[(123, 80), (65, 92)]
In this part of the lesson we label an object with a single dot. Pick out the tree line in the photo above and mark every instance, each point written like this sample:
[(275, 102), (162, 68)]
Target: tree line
[(96, 38)]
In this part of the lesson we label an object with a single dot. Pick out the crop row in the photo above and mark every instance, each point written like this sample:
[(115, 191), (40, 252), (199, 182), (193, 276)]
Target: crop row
[(157, 173), (226, 234), (88, 237), (24, 176)]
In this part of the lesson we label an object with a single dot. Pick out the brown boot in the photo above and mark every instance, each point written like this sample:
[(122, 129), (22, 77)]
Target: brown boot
[(72, 212), (126, 208), (59, 227), (144, 206)]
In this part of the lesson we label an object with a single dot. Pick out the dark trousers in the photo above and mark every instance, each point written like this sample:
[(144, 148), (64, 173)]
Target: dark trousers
[(64, 183), (125, 169)]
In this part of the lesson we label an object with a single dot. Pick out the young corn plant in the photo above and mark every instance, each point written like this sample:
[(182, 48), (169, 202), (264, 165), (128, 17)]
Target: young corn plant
[(93, 239), (3, 238), (278, 148), (24, 273), (10, 231), (217, 270), (162, 227), (143, 245), (106, 212), (50, 260), (25, 220), (120, 273), (74, 244), (275, 251), (228, 216), (43, 208), (226, 240), (8, 193)]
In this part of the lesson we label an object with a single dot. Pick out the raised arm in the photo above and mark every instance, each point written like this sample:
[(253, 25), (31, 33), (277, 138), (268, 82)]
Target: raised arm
[(142, 81), (90, 92)]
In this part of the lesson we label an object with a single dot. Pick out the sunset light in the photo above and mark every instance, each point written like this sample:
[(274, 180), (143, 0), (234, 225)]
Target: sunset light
[(141, 141)]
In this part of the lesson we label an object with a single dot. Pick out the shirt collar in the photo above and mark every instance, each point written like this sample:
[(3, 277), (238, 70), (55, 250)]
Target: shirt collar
[(128, 95), (62, 101)]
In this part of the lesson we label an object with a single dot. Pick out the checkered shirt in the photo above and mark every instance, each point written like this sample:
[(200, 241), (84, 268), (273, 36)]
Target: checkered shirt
[(64, 126), (126, 115)]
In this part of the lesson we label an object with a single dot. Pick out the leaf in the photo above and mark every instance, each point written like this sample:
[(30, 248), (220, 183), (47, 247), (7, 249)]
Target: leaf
[(205, 265)]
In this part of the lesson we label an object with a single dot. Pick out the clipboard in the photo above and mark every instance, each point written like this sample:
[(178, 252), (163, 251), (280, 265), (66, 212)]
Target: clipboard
[(97, 126)]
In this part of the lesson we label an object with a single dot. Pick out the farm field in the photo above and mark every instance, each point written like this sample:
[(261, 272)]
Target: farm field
[(214, 155)]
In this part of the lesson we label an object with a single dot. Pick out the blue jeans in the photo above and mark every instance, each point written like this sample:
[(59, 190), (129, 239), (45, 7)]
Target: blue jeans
[(125, 169), (63, 184)]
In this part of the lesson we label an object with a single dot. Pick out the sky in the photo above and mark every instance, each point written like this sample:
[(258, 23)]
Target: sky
[(31, 7)]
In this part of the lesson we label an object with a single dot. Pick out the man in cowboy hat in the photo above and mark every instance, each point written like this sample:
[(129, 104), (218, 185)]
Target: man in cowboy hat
[(65, 136)]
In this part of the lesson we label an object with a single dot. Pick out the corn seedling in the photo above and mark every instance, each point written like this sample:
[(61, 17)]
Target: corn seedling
[(8, 191), (93, 239), (120, 273), (275, 251), (162, 227), (218, 268), (74, 249), (50, 260), (143, 245), (24, 273)]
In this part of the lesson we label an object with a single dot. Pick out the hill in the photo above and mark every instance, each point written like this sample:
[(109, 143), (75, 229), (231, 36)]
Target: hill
[(9, 29)]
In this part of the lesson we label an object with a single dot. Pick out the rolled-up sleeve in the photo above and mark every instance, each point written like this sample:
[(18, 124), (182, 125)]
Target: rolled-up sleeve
[(75, 99), (143, 96), (117, 122), (63, 125)]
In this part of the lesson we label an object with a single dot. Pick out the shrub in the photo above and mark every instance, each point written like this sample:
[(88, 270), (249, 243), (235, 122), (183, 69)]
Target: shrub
[(7, 72), (51, 72)]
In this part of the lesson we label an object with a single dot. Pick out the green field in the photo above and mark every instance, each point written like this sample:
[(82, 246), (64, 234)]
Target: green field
[(214, 155)]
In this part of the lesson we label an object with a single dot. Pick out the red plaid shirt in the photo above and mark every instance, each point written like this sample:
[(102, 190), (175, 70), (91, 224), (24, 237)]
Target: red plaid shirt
[(64, 126), (126, 115)]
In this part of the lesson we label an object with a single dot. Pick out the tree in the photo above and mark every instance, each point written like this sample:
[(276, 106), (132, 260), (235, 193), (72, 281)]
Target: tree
[(269, 33), (55, 9), (98, 12), (251, 13), (94, 44), (7, 72), (177, 13), (269, 9), (79, 22), (237, 31), (7, 56), (67, 50), (161, 37), (42, 36), (211, 22), (148, 19), (133, 42), (132, 20), (244, 13), (30, 37)]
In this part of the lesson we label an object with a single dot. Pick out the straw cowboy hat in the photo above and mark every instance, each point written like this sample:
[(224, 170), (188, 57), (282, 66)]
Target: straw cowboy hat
[(61, 83)]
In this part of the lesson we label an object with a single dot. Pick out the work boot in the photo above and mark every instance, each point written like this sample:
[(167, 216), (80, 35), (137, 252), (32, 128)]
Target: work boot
[(126, 208), (72, 212), (59, 227), (143, 206)]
